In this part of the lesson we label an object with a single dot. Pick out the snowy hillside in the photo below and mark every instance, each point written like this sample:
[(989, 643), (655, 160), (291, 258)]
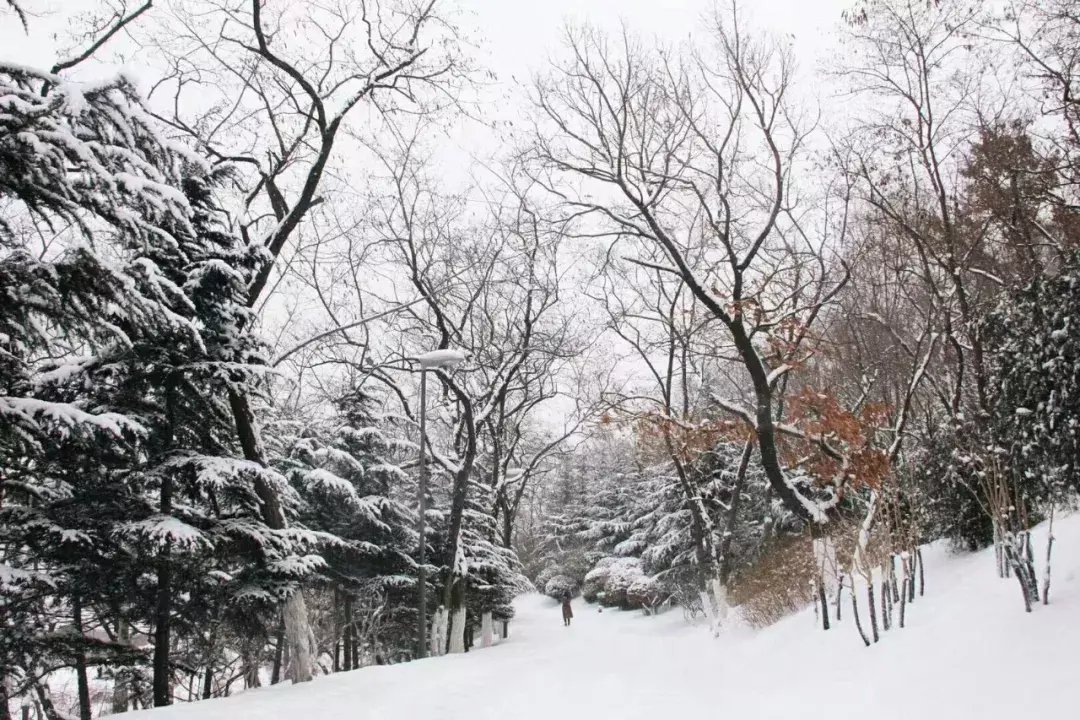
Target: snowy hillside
[(969, 651)]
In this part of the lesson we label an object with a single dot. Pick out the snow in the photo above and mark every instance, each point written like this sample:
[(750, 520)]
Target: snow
[(441, 358), (161, 529), (65, 415), (968, 651)]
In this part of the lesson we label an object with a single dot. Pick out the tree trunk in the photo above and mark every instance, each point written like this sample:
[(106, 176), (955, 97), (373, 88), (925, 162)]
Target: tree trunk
[(1021, 575), (354, 663), (903, 604), (347, 641), (5, 709), (894, 586), (732, 516), (507, 526), (886, 610), (298, 631), (823, 599), (163, 607), (279, 647), (873, 608), (839, 595), (454, 593), (855, 614), (456, 613), (485, 630), (1049, 550), (80, 661), (45, 702), (297, 624), (911, 577), (438, 632), (208, 683), (922, 576), (122, 676)]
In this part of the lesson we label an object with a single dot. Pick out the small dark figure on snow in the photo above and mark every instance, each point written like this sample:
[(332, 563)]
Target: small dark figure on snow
[(567, 611)]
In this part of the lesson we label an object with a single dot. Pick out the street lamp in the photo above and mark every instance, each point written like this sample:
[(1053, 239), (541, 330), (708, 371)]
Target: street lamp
[(434, 360)]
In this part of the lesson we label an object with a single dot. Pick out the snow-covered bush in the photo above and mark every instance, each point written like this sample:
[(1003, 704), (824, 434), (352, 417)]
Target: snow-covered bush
[(542, 577), (595, 579), (560, 586), (622, 574), (646, 592)]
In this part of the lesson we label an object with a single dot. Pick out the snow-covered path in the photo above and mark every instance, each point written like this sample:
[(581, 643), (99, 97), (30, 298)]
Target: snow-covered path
[(969, 651)]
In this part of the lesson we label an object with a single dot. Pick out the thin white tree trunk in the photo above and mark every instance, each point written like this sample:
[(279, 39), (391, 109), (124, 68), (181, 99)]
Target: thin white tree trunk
[(457, 631), (486, 630), (298, 631), (710, 612), (825, 557), (720, 596), (438, 633)]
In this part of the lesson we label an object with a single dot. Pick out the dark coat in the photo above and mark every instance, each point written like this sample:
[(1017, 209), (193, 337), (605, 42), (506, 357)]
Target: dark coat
[(567, 611)]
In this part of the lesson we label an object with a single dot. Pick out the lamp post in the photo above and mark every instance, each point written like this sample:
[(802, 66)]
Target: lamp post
[(433, 360)]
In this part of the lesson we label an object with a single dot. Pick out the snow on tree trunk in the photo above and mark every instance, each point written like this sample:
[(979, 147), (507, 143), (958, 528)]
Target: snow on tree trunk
[(486, 630), (457, 630), (1049, 549), (710, 612), (298, 632), (122, 677), (828, 573), (999, 552), (721, 597), (825, 558), (438, 632)]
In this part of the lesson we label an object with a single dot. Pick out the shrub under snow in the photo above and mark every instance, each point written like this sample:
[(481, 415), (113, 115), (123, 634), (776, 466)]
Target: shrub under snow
[(547, 573), (622, 574), (559, 586), (645, 592), (595, 579)]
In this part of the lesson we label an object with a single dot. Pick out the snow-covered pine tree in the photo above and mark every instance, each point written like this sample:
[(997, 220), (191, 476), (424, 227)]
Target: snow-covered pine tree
[(344, 468), (495, 574), (118, 336), (83, 166), (1035, 396)]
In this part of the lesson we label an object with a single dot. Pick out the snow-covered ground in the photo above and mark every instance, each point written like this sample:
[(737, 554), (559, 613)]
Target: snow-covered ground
[(969, 651)]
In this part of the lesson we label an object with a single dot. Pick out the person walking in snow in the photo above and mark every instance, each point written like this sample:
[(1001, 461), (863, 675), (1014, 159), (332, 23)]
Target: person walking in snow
[(567, 611)]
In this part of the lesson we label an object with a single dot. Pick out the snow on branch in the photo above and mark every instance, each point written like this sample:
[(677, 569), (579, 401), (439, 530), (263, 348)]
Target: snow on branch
[(38, 415), (164, 530)]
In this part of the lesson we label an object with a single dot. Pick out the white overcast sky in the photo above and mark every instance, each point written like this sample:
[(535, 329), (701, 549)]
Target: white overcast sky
[(522, 33), (515, 38), (517, 35)]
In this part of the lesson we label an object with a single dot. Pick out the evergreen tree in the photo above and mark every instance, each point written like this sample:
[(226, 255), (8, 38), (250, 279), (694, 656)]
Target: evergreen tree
[(351, 488)]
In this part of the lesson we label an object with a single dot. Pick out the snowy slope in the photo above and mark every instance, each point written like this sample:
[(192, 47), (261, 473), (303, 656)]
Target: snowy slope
[(969, 651)]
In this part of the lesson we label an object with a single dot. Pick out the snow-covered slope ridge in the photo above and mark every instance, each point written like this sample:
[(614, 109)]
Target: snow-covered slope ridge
[(968, 651)]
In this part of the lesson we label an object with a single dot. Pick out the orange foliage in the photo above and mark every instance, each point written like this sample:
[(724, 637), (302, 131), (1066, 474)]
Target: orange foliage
[(850, 435), (658, 435)]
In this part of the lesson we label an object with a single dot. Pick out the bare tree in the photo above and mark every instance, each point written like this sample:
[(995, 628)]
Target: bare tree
[(667, 331), (695, 158), (489, 287)]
